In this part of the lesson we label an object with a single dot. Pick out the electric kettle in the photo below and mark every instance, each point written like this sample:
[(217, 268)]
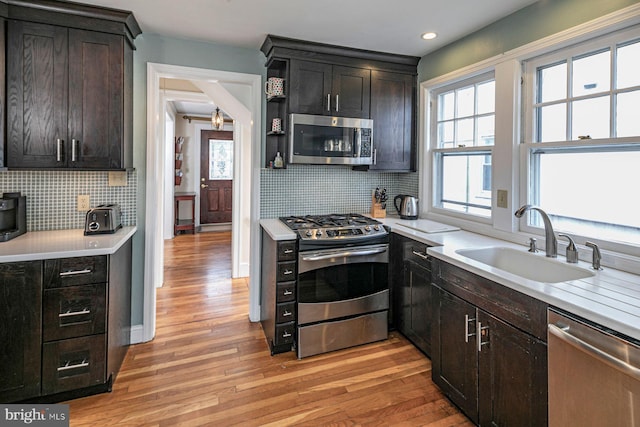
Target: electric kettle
[(408, 208)]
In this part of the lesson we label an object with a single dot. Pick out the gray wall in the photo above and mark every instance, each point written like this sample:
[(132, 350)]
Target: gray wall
[(541, 19)]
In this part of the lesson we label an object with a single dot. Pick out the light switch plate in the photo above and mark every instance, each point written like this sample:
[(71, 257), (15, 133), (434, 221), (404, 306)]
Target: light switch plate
[(503, 201), (117, 179)]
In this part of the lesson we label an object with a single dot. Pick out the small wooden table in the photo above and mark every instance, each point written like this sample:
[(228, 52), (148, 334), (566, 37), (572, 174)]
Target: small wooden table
[(185, 224)]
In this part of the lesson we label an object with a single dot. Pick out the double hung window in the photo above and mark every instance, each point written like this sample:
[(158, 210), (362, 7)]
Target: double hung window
[(463, 129), (582, 137)]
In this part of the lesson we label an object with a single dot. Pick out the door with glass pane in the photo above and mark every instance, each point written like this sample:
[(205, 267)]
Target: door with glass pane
[(216, 176)]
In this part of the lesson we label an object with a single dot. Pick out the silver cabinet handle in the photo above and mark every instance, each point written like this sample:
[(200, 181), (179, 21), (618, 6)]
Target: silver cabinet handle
[(287, 272), (328, 102), (67, 367), (74, 273), (75, 313), (286, 335), (287, 313), (593, 351), (420, 254), (74, 150), (467, 335), (59, 148), (288, 251), (479, 332), (287, 292), (337, 102)]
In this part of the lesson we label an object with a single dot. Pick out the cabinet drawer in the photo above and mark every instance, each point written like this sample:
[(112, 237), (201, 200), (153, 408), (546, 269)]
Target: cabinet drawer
[(287, 251), (286, 292), (75, 271), (417, 252), (73, 363), (74, 311), (286, 271), (285, 312), (285, 334)]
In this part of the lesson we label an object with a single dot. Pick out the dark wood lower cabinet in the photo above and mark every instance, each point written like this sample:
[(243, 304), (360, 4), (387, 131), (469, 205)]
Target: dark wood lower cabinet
[(494, 371), (20, 330)]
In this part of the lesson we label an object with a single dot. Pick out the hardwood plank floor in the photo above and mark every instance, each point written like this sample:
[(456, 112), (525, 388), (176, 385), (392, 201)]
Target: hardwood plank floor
[(209, 366)]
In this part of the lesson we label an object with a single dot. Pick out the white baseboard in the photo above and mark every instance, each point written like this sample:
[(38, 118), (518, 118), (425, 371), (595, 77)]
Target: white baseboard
[(204, 228), (137, 334)]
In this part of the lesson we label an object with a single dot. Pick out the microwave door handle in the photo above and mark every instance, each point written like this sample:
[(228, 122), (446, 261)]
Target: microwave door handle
[(357, 146)]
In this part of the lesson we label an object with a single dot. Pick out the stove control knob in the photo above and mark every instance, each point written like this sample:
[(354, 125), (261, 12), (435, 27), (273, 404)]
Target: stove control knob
[(331, 233), (367, 228), (318, 233), (376, 227), (308, 233)]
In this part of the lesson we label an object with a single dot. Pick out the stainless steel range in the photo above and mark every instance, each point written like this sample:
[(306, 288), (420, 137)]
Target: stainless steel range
[(342, 283)]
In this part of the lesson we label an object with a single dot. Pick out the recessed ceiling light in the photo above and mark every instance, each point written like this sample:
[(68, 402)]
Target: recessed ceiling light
[(429, 36)]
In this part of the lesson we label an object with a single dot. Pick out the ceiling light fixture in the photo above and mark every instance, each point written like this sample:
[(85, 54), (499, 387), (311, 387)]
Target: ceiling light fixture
[(217, 121), (429, 36)]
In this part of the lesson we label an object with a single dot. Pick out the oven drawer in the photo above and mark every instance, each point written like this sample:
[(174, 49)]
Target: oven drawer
[(285, 334), (74, 311), (73, 363), (75, 271), (287, 251), (286, 271), (286, 292), (285, 312), (339, 334)]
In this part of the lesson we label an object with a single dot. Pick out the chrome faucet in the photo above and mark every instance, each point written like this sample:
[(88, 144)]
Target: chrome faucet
[(551, 243)]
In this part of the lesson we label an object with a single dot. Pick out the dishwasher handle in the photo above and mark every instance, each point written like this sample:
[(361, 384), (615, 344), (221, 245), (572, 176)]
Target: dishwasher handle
[(593, 351)]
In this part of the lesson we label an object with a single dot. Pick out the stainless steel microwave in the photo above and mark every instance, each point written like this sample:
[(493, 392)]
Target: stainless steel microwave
[(327, 140)]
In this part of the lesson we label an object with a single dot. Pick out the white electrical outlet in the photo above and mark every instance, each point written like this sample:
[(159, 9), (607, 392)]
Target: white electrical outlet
[(84, 202)]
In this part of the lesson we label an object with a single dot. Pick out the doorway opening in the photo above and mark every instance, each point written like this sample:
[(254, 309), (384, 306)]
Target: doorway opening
[(245, 227)]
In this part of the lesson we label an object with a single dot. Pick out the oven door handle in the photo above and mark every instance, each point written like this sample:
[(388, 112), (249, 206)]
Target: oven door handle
[(363, 252)]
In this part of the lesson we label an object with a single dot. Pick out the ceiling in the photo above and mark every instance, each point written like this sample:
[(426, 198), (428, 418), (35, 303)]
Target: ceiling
[(381, 25)]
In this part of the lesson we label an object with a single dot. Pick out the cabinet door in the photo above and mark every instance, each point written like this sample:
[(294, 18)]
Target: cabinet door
[(392, 111), (310, 87), (37, 82), (513, 376), (96, 99), (418, 309), (20, 333), (454, 353), (351, 92)]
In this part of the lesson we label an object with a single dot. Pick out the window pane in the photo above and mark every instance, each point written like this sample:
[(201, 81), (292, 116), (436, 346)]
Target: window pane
[(446, 104), (464, 132), (220, 159), (486, 97), (628, 66), (627, 119), (465, 105), (552, 83), (463, 179), (591, 74), (591, 117), (445, 135), (553, 124), (603, 196), (486, 130)]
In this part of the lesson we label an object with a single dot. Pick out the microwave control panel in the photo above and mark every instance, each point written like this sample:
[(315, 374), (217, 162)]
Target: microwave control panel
[(365, 142)]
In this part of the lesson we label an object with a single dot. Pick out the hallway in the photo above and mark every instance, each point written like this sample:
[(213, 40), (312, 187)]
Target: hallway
[(210, 366)]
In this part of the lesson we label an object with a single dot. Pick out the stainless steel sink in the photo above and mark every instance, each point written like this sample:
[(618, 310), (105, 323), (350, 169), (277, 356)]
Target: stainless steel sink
[(527, 265)]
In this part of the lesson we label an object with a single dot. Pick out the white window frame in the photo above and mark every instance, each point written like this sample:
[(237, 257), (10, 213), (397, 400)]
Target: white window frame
[(438, 152), (509, 159)]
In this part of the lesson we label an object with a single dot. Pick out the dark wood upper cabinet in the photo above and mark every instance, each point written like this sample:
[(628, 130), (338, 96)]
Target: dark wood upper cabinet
[(69, 87), (339, 81), (393, 110), (325, 89)]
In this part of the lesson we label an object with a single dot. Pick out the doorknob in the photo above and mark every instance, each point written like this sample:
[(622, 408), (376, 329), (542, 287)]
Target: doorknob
[(203, 186), (202, 179)]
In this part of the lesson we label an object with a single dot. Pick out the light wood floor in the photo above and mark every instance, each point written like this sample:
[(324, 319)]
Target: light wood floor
[(210, 366)]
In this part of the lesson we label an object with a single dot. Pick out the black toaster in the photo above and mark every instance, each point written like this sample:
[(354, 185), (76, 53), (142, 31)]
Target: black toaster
[(103, 219)]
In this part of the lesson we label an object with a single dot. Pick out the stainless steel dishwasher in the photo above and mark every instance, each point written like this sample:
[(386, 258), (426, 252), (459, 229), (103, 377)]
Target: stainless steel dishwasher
[(594, 375)]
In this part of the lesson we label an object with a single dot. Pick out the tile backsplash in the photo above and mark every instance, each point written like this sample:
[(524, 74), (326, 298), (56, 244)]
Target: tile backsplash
[(52, 196), (317, 189)]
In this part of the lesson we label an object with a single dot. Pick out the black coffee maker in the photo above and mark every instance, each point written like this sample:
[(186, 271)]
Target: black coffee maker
[(13, 216)]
